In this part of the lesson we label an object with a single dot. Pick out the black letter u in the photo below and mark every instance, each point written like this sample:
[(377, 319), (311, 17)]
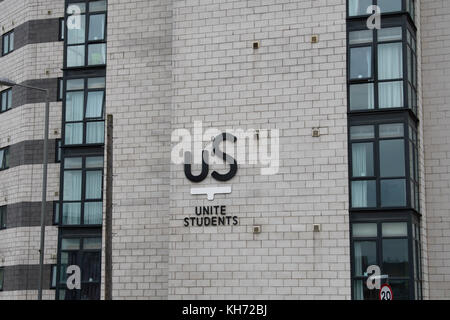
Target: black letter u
[(188, 167)]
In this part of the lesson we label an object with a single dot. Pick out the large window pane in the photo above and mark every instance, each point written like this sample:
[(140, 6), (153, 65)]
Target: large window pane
[(395, 257), (74, 106), (72, 185), (361, 63), (76, 31), (362, 159), (390, 5), (74, 133), (5, 44), (97, 54), (93, 184), (392, 158), (390, 61), (75, 84), (390, 94), (70, 244), (75, 56), (96, 83), (96, 27), (365, 256), (95, 132), (94, 108), (364, 194), (11, 41), (71, 214), (93, 213), (393, 193), (361, 96), (358, 7)]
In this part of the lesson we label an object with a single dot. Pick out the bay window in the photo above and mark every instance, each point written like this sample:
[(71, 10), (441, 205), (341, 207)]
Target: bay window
[(84, 252), (381, 153), (86, 33), (84, 108), (82, 191), (389, 242), (379, 76)]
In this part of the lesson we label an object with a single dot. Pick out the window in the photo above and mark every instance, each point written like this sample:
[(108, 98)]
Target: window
[(84, 105), (61, 29), (53, 276), (382, 87), (3, 217), (60, 89), (360, 7), (58, 150), (379, 176), (5, 100), (4, 158), (8, 43), (86, 33), (86, 253), (82, 191), (2, 278), (56, 213), (385, 243)]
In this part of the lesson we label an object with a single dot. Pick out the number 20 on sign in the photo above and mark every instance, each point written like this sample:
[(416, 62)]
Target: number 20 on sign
[(386, 292)]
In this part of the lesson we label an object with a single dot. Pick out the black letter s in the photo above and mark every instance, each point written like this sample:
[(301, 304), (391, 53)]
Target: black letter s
[(226, 157)]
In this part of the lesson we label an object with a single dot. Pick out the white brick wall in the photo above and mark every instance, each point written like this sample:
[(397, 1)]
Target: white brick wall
[(436, 98)]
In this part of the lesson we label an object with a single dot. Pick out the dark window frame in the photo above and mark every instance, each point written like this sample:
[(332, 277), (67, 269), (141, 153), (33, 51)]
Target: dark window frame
[(58, 150), (403, 10), (82, 235), (412, 220), (87, 42), (61, 29), (3, 217), (83, 199), (85, 120), (377, 120), (60, 90), (53, 273), (2, 278), (389, 22), (8, 34), (9, 93), (5, 161)]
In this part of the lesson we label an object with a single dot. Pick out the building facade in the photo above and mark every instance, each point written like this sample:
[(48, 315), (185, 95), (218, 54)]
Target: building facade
[(349, 122)]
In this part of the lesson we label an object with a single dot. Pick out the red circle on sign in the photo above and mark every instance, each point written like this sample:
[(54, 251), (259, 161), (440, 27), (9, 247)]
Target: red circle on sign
[(390, 291)]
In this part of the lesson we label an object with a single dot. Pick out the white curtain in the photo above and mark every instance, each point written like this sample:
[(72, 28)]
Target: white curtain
[(97, 27), (72, 185), (71, 213), (95, 132), (4, 101), (390, 94), (390, 61), (74, 133), (93, 213), (359, 194), (359, 160), (93, 184), (74, 106), (94, 106)]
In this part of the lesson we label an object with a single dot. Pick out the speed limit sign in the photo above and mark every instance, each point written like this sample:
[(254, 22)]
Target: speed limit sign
[(386, 292)]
